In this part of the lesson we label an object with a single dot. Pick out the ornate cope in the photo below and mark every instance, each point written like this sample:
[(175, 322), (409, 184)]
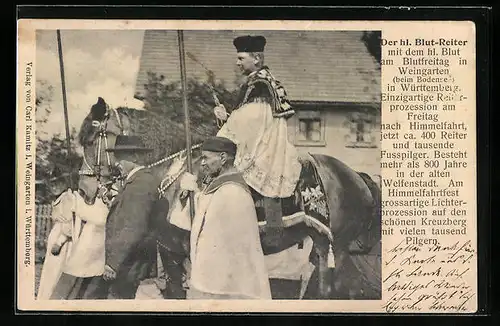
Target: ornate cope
[(262, 86)]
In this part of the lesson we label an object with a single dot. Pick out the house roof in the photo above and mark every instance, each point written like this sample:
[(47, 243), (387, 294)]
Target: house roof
[(332, 66)]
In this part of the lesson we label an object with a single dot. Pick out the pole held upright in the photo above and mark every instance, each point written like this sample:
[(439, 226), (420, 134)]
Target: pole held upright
[(182, 59), (65, 103)]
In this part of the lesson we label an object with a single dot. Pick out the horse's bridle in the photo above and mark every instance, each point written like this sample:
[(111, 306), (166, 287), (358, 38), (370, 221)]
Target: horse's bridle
[(96, 169)]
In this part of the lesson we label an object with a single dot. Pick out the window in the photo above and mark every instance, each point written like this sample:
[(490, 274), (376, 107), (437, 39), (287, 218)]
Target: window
[(360, 127), (310, 129), (360, 131)]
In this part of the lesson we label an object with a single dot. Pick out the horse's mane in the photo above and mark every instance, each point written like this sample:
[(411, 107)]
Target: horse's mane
[(87, 132)]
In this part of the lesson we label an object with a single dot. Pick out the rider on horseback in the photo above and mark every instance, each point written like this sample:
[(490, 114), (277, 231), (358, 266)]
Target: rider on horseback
[(258, 125)]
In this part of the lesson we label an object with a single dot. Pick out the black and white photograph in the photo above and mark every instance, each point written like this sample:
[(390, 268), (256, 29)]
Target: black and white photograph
[(208, 164)]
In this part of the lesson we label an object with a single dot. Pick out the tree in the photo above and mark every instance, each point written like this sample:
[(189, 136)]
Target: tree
[(166, 98), (43, 108), (54, 165), (372, 42)]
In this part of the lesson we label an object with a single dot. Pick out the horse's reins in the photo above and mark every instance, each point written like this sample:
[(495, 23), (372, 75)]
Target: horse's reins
[(170, 179), (103, 140)]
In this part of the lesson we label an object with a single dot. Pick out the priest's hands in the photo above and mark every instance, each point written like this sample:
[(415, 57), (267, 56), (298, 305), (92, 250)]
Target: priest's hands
[(220, 112)]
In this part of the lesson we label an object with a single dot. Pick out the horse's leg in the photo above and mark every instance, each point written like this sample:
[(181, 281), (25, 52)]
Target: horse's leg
[(311, 292), (324, 273), (173, 264), (320, 282), (319, 285)]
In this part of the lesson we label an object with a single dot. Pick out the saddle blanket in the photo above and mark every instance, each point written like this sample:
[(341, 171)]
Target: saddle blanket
[(308, 204)]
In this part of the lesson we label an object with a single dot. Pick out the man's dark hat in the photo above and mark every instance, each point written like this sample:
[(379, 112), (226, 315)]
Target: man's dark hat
[(219, 144), (249, 43), (129, 143)]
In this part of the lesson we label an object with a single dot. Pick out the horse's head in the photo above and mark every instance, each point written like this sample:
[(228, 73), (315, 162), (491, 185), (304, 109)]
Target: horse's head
[(98, 131)]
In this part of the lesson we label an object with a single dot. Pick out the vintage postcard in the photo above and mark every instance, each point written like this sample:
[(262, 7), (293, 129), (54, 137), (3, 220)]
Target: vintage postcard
[(246, 166)]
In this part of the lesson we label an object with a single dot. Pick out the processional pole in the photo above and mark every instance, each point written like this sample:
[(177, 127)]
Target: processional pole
[(65, 104), (182, 59), (75, 231)]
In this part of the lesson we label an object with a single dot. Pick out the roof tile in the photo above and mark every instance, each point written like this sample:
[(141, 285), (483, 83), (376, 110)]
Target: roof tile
[(312, 65)]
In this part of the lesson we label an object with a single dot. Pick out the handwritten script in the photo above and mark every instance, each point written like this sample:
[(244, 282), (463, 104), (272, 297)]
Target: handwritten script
[(428, 277)]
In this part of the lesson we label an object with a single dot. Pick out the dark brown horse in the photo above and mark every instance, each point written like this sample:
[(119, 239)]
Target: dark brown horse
[(353, 201)]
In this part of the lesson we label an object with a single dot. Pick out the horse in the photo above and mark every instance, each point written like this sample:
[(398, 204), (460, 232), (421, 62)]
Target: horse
[(98, 131), (352, 233)]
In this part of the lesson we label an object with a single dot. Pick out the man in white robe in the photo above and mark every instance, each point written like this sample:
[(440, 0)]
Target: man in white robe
[(268, 162), (226, 255), (76, 273)]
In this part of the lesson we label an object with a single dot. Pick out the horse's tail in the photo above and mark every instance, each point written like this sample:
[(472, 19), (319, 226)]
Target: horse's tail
[(354, 201), (374, 189), (374, 226)]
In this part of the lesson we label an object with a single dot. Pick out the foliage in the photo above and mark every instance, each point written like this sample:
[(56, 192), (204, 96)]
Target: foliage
[(54, 165), (43, 108), (372, 42), (53, 160), (166, 98)]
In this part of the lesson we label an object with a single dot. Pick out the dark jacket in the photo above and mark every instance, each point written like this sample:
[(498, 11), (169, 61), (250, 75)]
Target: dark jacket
[(130, 249)]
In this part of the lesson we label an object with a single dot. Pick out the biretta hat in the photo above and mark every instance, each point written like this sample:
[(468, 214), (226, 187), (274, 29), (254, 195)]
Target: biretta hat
[(129, 143), (249, 43), (219, 144)]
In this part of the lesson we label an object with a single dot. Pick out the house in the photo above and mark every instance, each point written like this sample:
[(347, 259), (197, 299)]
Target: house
[(331, 78)]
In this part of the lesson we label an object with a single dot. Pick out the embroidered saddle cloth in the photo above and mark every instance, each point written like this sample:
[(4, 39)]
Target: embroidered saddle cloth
[(307, 204)]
